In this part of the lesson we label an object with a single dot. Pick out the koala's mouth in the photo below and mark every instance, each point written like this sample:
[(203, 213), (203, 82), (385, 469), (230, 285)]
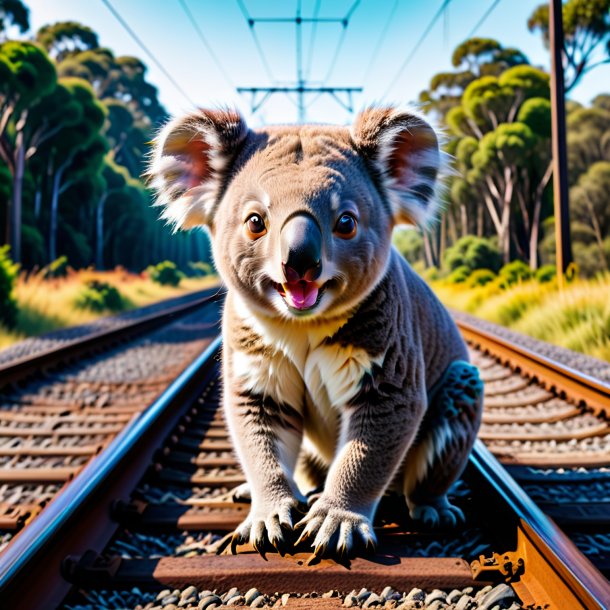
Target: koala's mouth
[(301, 295)]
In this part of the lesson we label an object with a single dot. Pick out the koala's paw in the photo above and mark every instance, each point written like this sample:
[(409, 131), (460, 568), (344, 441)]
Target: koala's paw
[(266, 522), (332, 526), (438, 513)]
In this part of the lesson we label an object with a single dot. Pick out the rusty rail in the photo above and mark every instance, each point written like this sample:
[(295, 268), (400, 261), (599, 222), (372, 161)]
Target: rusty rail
[(76, 526), (70, 350), (577, 387)]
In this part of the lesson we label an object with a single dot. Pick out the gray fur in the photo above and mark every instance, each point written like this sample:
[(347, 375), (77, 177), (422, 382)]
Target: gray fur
[(365, 385)]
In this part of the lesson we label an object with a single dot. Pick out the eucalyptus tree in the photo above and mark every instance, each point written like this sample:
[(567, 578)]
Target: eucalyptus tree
[(13, 13), (26, 76), (586, 26)]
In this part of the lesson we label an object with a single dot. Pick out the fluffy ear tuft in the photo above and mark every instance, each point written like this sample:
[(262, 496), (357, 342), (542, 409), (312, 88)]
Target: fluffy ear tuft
[(190, 160), (404, 150)]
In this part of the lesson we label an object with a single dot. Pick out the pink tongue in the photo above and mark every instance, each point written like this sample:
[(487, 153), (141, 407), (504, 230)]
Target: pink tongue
[(301, 294)]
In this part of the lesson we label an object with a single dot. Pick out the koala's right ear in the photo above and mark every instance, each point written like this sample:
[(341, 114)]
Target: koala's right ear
[(191, 156)]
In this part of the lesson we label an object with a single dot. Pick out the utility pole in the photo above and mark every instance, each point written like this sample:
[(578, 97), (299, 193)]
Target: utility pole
[(563, 243), (259, 95)]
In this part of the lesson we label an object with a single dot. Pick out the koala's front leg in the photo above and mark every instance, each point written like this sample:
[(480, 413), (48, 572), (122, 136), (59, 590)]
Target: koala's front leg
[(376, 434), (267, 435)]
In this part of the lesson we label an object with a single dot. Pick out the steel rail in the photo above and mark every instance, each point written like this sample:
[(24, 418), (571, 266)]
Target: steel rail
[(28, 365), (577, 387), (79, 519), (65, 526), (541, 535)]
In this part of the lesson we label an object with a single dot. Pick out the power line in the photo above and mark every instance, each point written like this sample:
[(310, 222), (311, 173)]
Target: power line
[(345, 25), (205, 43), (312, 40), (418, 44), (380, 41), (301, 87), (259, 48), (482, 20), (146, 50)]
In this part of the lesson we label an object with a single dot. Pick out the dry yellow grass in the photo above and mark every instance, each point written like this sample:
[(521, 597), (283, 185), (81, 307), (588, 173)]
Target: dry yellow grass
[(49, 304), (577, 317)]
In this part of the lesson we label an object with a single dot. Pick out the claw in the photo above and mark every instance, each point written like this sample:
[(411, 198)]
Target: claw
[(259, 548), (279, 545), (305, 535), (222, 544), (236, 539)]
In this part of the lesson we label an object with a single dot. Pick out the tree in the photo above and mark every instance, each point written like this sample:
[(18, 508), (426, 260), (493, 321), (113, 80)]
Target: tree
[(26, 76), (586, 26), (66, 38), (590, 209), (77, 148), (115, 181), (13, 13), (472, 59)]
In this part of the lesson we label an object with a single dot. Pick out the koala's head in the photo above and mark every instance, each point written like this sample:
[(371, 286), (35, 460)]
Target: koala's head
[(300, 217)]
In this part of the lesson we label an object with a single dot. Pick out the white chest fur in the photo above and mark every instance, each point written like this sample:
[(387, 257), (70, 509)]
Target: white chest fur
[(299, 358)]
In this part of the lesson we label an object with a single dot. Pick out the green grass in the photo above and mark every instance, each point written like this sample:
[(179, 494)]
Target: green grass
[(49, 304), (577, 317)]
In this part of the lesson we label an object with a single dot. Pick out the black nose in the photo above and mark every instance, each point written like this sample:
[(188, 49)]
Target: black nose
[(301, 248)]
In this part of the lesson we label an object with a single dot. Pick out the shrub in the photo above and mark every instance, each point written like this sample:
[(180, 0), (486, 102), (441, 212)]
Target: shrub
[(431, 274), (474, 253), (481, 277), (8, 302), (514, 272), (459, 275), (165, 273), (545, 274), (56, 268), (100, 296), (200, 269), (410, 243)]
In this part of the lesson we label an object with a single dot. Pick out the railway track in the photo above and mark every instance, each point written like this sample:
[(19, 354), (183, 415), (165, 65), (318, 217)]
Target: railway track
[(549, 425), (61, 405), (139, 527)]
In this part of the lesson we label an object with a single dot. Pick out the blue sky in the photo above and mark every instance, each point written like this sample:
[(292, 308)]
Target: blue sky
[(165, 29)]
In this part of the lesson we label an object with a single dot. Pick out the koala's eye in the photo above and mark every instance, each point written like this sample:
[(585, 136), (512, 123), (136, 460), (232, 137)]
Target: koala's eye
[(346, 226), (255, 226)]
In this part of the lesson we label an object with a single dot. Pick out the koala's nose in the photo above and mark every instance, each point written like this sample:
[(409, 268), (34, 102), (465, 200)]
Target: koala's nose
[(301, 248)]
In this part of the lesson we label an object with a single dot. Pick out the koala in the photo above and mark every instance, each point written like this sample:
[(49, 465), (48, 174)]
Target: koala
[(342, 372)]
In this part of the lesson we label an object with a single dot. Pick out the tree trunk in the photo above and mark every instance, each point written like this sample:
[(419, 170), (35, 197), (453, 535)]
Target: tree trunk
[(464, 219), (59, 173), (17, 196), (99, 232), (428, 253), (480, 220)]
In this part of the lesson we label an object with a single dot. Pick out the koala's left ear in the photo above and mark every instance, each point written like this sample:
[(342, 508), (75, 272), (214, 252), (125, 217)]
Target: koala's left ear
[(404, 152), (190, 162)]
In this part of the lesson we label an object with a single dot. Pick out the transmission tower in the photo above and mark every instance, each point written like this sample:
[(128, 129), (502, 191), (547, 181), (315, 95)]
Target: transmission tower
[(301, 86)]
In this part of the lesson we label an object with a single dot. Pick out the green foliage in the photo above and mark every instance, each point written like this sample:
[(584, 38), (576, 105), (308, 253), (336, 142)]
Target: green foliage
[(65, 38), (431, 274), (473, 58), (26, 72), (586, 25), (100, 296), (8, 302), (57, 268), (481, 277), (546, 274), (459, 275), (14, 13), (410, 243), (473, 253), (514, 273), (200, 269), (165, 273)]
